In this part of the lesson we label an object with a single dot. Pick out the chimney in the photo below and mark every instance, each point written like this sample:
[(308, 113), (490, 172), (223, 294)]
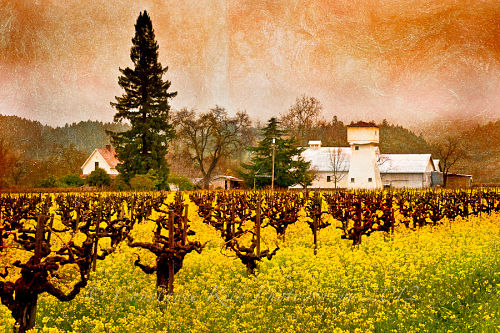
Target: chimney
[(108, 147), (315, 144)]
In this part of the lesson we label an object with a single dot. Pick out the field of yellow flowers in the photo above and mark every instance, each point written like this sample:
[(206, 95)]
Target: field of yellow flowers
[(443, 278)]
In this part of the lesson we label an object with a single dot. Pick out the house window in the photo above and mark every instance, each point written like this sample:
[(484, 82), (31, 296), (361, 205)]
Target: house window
[(96, 166), (352, 180), (356, 147), (369, 180), (328, 178)]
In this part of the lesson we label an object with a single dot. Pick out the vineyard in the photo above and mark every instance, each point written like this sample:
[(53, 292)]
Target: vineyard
[(412, 260)]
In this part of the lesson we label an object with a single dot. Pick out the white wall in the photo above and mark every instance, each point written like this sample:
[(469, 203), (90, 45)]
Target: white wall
[(321, 180), (396, 180), (362, 135), (409, 180), (89, 166), (363, 167)]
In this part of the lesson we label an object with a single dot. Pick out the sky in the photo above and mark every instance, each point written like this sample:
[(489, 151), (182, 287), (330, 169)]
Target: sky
[(409, 61)]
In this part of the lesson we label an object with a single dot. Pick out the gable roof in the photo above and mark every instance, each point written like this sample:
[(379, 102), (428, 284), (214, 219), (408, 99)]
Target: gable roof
[(234, 179), (404, 163), (321, 160), (109, 155)]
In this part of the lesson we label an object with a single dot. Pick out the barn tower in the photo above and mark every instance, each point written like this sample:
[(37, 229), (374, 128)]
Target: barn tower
[(363, 169)]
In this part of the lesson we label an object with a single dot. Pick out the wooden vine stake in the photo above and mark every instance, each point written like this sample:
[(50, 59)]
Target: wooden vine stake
[(233, 222), (171, 247), (96, 243), (257, 224), (40, 230), (317, 199), (185, 225)]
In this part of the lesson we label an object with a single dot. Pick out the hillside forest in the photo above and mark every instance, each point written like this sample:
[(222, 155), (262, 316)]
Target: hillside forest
[(31, 151)]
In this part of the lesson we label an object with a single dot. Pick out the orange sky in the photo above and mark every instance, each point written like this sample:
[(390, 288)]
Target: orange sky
[(402, 60)]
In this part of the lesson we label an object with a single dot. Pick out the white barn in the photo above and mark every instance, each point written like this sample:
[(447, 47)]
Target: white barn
[(101, 158), (336, 167)]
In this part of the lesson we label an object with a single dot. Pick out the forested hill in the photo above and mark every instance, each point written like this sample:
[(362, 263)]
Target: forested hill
[(394, 139), (39, 141), (43, 150), (482, 157)]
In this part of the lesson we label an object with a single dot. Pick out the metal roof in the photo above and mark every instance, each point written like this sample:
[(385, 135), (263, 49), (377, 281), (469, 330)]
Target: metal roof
[(405, 163), (321, 158), (234, 179)]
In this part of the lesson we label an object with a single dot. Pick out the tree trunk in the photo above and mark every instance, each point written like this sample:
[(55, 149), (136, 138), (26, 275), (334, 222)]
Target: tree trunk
[(250, 268), (161, 284), (206, 182), (27, 317)]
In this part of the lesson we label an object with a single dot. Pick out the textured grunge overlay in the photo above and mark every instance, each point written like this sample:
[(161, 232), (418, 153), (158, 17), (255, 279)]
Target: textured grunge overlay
[(405, 60)]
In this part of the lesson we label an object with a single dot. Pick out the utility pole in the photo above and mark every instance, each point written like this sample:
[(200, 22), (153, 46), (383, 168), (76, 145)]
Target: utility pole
[(272, 177)]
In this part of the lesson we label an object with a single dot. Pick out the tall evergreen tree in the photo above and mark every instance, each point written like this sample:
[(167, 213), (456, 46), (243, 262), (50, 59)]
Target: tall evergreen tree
[(145, 105), (290, 168)]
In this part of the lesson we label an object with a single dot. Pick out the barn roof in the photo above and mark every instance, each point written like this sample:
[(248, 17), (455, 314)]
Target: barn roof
[(322, 159), (404, 163)]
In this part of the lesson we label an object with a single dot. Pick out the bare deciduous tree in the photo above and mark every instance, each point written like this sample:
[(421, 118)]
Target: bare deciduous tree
[(302, 116), (338, 160), (449, 149), (208, 137)]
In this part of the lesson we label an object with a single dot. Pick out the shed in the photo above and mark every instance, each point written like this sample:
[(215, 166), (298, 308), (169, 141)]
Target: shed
[(225, 182), (456, 180)]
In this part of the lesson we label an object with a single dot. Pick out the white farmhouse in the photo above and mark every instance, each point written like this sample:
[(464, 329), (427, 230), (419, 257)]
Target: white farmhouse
[(101, 158), (361, 166)]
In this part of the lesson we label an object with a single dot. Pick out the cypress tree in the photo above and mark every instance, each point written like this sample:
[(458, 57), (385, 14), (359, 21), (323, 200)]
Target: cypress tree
[(145, 105)]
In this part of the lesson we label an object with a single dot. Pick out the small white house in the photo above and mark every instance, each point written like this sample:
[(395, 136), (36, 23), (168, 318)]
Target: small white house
[(101, 158)]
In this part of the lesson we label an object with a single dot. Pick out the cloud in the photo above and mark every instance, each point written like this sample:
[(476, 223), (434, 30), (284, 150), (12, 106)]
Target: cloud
[(371, 59)]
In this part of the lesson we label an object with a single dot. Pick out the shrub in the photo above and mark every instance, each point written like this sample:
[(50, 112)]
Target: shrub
[(99, 177), (182, 182), (142, 183), (119, 184), (50, 181), (72, 180)]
